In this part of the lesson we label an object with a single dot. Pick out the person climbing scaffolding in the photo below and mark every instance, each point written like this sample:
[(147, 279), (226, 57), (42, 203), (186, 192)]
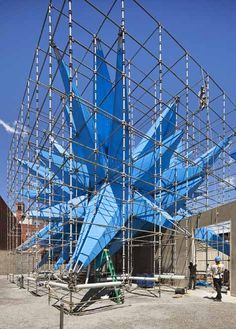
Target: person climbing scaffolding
[(202, 98)]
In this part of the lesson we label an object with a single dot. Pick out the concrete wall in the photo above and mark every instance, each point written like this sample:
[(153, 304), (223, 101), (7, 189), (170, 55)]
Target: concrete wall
[(15, 263), (217, 215)]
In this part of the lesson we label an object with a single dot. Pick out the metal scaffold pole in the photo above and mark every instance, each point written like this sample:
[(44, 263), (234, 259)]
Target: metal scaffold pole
[(155, 178), (28, 171), (187, 158), (70, 39), (129, 211), (160, 150), (50, 136), (124, 124), (37, 151)]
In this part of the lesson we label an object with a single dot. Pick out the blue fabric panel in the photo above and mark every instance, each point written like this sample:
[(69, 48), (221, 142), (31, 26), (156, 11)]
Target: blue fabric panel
[(116, 138), (55, 251), (63, 257), (168, 129), (80, 179), (172, 200), (214, 240), (83, 148), (79, 205), (233, 155), (95, 237), (208, 158), (144, 167), (105, 98), (41, 234), (83, 125)]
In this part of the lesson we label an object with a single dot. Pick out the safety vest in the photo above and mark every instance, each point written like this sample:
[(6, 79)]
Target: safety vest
[(218, 271)]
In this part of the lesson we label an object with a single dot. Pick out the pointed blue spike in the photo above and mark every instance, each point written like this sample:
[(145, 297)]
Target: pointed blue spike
[(181, 174), (143, 170), (80, 178), (208, 158), (42, 175), (34, 168), (116, 138), (106, 220), (168, 129), (78, 168), (172, 201), (105, 97), (41, 234), (177, 159), (83, 125), (144, 209), (78, 209), (83, 149)]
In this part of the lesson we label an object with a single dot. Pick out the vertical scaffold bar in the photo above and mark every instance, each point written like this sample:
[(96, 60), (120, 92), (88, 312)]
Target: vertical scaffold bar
[(8, 200), (186, 156), (70, 123), (37, 148), (129, 171), (17, 183), (50, 135), (161, 150), (21, 157), (131, 189), (223, 155), (95, 118), (207, 139), (207, 242), (174, 234), (123, 136), (155, 178), (28, 171), (63, 179)]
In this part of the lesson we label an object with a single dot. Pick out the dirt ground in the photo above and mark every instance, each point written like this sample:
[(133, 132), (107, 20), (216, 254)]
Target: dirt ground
[(19, 309)]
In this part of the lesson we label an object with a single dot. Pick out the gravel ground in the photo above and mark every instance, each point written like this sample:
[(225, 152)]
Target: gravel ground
[(19, 309)]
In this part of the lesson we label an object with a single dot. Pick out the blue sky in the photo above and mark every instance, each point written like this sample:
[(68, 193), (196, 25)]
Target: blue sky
[(207, 28)]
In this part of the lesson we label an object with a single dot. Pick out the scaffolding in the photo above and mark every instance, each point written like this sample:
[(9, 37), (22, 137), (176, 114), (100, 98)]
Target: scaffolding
[(153, 144)]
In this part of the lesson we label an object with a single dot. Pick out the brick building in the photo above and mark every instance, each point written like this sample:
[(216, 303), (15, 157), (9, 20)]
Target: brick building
[(3, 224)]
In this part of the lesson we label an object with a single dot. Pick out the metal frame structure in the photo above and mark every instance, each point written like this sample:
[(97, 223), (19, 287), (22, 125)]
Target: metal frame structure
[(154, 71)]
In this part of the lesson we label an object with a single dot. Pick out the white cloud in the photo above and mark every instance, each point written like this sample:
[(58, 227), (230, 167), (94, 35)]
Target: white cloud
[(7, 127), (13, 128)]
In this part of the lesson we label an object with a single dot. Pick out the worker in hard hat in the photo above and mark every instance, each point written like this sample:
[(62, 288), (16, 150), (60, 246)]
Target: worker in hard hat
[(202, 98), (217, 271), (192, 276)]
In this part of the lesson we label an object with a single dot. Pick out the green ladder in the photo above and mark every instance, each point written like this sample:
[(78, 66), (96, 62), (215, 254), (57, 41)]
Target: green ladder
[(106, 258)]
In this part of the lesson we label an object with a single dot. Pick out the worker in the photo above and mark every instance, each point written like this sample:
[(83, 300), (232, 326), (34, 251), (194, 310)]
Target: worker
[(208, 270), (192, 275), (203, 98), (217, 271)]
